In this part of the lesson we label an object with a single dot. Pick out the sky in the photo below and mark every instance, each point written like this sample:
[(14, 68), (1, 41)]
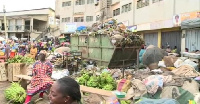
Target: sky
[(16, 5)]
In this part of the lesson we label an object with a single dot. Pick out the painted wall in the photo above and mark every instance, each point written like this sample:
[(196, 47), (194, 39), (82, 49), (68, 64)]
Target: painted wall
[(164, 10), (126, 16)]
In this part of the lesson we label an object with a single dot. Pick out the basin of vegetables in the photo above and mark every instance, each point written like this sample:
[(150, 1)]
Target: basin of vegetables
[(103, 81)]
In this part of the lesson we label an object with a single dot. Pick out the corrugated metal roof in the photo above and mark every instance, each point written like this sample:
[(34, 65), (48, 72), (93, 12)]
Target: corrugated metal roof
[(191, 23)]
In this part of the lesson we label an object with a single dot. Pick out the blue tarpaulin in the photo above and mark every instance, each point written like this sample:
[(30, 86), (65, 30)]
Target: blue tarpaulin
[(110, 22), (80, 28)]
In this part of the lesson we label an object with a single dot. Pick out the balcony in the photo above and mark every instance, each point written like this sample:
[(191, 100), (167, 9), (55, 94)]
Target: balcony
[(23, 28)]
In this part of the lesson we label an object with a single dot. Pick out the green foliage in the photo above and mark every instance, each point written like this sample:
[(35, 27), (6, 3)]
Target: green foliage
[(15, 93), (21, 59)]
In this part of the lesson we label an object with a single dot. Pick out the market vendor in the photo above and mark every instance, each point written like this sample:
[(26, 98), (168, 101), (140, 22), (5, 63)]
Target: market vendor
[(168, 50), (41, 80), (174, 50), (142, 51), (65, 91), (22, 50), (33, 52)]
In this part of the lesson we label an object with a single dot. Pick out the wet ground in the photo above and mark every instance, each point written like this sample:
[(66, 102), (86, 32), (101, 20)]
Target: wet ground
[(4, 85)]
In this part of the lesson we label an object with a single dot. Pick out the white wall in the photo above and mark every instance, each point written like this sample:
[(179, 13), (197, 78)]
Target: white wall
[(164, 10), (126, 16), (184, 6)]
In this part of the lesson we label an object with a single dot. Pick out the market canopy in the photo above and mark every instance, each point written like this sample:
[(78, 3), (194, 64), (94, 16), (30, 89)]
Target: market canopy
[(61, 50), (191, 23)]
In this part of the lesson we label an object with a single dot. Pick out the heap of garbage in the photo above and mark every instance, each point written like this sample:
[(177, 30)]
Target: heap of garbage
[(118, 33)]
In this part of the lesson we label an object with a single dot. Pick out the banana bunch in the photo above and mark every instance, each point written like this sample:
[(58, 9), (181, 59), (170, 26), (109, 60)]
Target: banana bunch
[(15, 93), (125, 102)]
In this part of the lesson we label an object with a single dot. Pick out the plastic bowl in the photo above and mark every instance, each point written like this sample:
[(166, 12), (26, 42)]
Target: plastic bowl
[(120, 94)]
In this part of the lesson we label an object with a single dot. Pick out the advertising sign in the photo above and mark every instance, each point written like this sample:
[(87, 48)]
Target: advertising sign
[(177, 20), (133, 28), (70, 28), (190, 15)]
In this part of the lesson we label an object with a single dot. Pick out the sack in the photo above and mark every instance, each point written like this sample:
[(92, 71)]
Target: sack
[(169, 60), (186, 71), (193, 64), (192, 87), (177, 93), (138, 88)]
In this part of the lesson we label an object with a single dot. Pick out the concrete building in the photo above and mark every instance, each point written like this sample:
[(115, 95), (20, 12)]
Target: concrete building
[(81, 13), (32, 24), (157, 21)]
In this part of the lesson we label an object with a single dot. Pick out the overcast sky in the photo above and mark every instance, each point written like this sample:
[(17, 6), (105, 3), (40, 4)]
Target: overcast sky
[(16, 5)]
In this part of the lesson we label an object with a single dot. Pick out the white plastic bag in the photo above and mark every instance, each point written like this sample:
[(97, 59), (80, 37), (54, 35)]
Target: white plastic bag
[(59, 74), (161, 64), (178, 63), (191, 63)]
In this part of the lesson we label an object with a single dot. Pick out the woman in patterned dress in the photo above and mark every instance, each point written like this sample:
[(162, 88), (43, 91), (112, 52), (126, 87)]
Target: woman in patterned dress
[(41, 80)]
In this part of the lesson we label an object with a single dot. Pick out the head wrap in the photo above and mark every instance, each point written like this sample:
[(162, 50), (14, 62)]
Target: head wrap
[(43, 52)]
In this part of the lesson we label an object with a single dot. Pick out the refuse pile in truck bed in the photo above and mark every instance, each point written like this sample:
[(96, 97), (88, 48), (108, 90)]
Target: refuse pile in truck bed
[(110, 44)]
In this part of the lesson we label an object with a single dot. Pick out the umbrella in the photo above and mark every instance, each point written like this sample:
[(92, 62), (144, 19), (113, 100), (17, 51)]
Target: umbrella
[(61, 50), (2, 39), (153, 55)]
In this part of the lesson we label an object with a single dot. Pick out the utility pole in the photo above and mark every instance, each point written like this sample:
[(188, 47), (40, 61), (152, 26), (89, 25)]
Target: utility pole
[(5, 23)]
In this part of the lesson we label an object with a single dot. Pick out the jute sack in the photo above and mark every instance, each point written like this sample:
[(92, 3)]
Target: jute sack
[(138, 89), (186, 71), (169, 60), (192, 87)]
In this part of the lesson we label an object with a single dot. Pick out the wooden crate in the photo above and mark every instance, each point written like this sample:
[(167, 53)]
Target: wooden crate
[(15, 69), (3, 72)]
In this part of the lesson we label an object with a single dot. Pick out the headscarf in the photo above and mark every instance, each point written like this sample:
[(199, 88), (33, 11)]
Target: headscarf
[(43, 52)]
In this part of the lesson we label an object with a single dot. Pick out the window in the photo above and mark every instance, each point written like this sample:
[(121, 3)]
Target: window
[(80, 2), (90, 1), (154, 1), (78, 19), (89, 18), (116, 12), (126, 8), (129, 6), (142, 3), (68, 3), (67, 19)]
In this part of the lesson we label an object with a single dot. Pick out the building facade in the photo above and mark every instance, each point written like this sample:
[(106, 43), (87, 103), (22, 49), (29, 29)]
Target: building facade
[(157, 21), (29, 24)]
